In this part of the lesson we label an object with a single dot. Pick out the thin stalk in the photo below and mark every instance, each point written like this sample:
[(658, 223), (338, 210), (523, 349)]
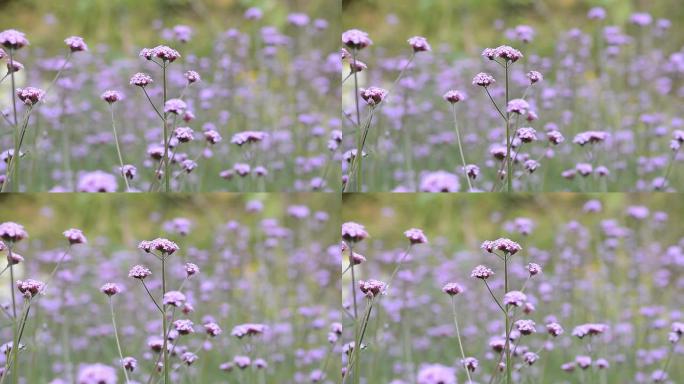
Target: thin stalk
[(151, 297), (669, 168), (13, 164), (164, 325), (116, 336), (460, 147), (118, 148), (458, 337), (13, 97), (508, 329), (167, 179), (509, 179)]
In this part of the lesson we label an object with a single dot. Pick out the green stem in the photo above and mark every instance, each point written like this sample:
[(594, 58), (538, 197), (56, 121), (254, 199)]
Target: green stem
[(116, 336), (118, 148), (509, 161), (508, 329), (460, 147), (458, 337), (167, 179), (164, 325)]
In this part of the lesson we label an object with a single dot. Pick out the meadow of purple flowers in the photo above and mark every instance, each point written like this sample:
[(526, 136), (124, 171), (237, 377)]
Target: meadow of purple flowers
[(238, 279), (255, 112), (598, 111), (589, 294)]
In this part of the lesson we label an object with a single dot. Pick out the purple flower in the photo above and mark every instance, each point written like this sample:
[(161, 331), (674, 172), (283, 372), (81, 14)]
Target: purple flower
[(508, 246), (29, 287), (97, 181), (176, 106), (212, 329), (641, 19), (129, 363), (534, 77), (182, 33), (110, 289), (439, 181), (248, 329), (483, 79), (242, 362), (173, 298), (165, 246), (253, 13), (97, 374), (212, 136), (162, 52), (191, 269), (534, 269), (503, 52), (555, 137), (372, 288), (419, 44), (353, 232), (453, 96), (13, 39), (514, 298), (111, 96), (75, 236), (554, 329), (590, 137), (76, 44), (184, 134), (518, 106), (356, 39), (452, 289), (248, 137), (482, 272), (583, 361), (530, 357), (192, 77), (527, 134), (141, 79), (525, 327), (373, 95), (596, 13), (139, 272), (589, 329), (12, 232), (436, 374), (416, 236), (30, 95), (184, 327)]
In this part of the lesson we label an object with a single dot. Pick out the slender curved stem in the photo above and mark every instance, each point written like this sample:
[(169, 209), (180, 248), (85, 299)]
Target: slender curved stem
[(460, 146), (151, 297), (118, 149), (458, 337), (165, 326), (508, 329), (116, 336), (167, 179)]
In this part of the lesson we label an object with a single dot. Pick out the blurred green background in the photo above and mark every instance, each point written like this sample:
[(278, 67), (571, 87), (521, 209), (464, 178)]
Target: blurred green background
[(469, 24), (129, 24)]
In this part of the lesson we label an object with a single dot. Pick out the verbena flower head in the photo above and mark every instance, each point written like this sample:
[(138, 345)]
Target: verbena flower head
[(526, 327), (110, 289), (242, 362), (373, 95), (76, 44), (165, 246), (356, 39), (129, 363), (353, 232), (14, 66), (527, 134), (175, 106), (416, 236), (173, 298), (583, 361), (530, 357), (452, 289), (30, 95), (248, 137), (554, 329), (161, 52), (212, 329), (3, 54), (13, 39), (141, 79), (502, 52), (596, 13), (419, 44), (212, 136), (184, 134), (534, 269), (483, 79), (505, 245), (481, 272), (372, 288), (439, 181), (14, 259), (12, 232), (534, 77), (184, 327), (436, 374), (75, 236), (129, 171), (97, 181), (139, 272), (555, 137), (188, 358), (514, 298), (111, 96), (192, 77), (191, 269), (589, 329), (253, 13), (248, 329), (472, 170), (454, 96), (590, 137), (29, 287), (518, 106), (470, 363), (97, 374)]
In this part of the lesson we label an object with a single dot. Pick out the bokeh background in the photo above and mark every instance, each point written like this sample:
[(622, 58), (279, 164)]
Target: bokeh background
[(263, 258), (126, 25), (468, 25), (622, 265)]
